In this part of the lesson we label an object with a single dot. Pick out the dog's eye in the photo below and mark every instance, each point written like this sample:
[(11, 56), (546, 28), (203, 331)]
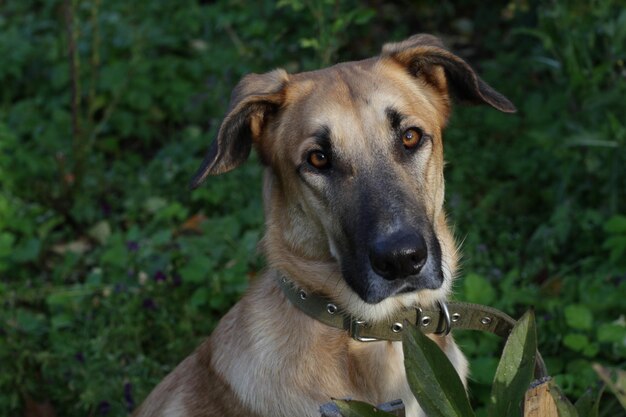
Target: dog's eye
[(318, 159), (411, 138)]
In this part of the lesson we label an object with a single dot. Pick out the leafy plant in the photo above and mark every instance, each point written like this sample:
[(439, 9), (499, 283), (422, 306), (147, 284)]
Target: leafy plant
[(111, 271), (440, 392)]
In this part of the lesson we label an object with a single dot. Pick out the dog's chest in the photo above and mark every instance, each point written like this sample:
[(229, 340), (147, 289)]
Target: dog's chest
[(380, 375), (281, 373)]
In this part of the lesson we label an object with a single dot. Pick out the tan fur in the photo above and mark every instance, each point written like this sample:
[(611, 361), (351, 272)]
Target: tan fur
[(266, 357)]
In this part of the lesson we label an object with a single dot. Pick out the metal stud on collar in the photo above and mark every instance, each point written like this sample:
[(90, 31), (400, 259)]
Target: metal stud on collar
[(397, 327), (331, 308)]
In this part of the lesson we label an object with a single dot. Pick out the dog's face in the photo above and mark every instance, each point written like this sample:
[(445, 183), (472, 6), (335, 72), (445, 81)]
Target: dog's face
[(355, 157), (359, 148)]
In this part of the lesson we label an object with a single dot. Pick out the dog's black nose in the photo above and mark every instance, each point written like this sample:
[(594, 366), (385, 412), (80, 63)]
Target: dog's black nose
[(398, 255)]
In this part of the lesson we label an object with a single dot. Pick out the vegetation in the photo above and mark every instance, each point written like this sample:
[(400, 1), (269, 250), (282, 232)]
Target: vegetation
[(111, 271)]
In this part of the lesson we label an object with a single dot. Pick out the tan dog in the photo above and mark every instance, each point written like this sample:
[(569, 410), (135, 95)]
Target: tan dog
[(353, 196)]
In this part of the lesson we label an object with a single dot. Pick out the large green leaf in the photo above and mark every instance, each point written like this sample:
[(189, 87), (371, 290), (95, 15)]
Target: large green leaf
[(350, 408), (515, 370), (432, 378)]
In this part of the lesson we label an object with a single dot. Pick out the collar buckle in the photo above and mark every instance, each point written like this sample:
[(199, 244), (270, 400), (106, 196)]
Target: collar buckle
[(445, 318), (356, 329)]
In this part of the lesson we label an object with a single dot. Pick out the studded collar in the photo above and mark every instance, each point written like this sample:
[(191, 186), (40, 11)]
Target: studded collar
[(439, 320)]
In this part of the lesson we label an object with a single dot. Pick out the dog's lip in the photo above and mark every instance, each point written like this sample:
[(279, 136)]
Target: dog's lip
[(407, 289), (375, 298), (389, 289)]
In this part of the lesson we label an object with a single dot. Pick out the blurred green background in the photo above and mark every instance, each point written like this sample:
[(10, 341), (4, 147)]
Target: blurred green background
[(112, 271)]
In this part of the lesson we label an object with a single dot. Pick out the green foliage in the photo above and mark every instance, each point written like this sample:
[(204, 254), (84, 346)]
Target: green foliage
[(615, 242), (440, 392), (539, 196), (516, 368), (432, 378), (111, 271), (351, 408)]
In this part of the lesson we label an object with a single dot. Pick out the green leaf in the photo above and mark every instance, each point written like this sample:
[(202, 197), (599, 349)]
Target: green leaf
[(577, 342), (588, 404), (161, 237), (515, 370), (609, 332), (591, 350), (350, 408), (27, 251), (197, 270), (6, 243), (616, 225), (62, 320), (578, 317), (116, 253), (199, 297), (432, 378), (29, 322), (563, 405)]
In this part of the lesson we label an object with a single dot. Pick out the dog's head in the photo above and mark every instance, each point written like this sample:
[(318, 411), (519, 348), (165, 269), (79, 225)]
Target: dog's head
[(355, 168)]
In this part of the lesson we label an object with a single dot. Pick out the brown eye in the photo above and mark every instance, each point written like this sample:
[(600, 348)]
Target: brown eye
[(318, 159), (411, 138)]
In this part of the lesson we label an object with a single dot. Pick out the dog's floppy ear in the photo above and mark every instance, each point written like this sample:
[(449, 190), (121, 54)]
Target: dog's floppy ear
[(425, 55), (252, 100)]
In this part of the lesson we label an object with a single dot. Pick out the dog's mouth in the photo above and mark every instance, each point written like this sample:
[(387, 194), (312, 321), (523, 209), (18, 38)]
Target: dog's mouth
[(404, 263)]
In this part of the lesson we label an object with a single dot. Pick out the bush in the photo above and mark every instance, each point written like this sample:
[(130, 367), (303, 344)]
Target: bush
[(112, 271)]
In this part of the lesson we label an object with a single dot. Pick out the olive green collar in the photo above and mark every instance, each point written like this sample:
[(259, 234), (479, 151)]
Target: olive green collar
[(439, 320)]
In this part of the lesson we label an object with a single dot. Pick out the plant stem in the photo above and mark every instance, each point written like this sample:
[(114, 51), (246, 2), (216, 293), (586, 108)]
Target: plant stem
[(74, 66)]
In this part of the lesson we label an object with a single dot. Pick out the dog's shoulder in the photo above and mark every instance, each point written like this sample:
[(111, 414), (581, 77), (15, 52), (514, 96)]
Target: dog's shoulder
[(194, 389)]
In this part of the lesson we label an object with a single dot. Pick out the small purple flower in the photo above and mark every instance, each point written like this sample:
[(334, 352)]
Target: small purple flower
[(132, 245), (80, 357), (128, 396), (106, 208), (119, 287), (149, 304), (159, 276), (176, 280), (103, 408), (496, 272)]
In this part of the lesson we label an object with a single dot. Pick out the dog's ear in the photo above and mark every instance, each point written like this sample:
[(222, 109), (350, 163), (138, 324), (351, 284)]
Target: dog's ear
[(252, 101), (425, 56)]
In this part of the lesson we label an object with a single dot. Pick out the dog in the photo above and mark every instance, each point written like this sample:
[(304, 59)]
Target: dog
[(353, 198)]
